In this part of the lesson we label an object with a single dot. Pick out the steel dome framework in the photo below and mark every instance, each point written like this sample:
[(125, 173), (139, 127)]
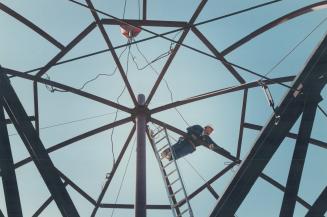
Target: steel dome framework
[(302, 98)]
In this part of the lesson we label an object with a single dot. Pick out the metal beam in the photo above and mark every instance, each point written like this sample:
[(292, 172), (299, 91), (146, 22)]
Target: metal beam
[(31, 25), (240, 135), (36, 108), (219, 56), (299, 155), (174, 51), (35, 147), (77, 138), (68, 88), (274, 23), (210, 181), (8, 174), (282, 188), (113, 52), (219, 92), (289, 135), (140, 182), (64, 51), (307, 84), (131, 206), (31, 118), (319, 207), (138, 23), (45, 204), (113, 171)]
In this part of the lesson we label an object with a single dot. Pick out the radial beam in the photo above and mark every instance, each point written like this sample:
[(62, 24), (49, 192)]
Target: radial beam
[(289, 135), (68, 89), (131, 206), (220, 92), (113, 52), (112, 172), (31, 25), (319, 207), (64, 51), (77, 138), (25, 129), (308, 83), (8, 174), (218, 55), (299, 155), (174, 51)]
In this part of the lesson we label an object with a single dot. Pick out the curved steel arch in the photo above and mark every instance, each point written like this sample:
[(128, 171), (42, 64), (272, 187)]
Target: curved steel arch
[(274, 23)]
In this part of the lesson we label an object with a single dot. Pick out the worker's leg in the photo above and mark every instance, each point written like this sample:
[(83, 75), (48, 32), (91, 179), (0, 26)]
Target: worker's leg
[(183, 148)]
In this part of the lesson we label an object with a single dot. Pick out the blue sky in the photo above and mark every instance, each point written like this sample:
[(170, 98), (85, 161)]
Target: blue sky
[(86, 162)]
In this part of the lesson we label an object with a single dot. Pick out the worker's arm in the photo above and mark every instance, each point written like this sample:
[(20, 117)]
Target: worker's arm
[(214, 147)]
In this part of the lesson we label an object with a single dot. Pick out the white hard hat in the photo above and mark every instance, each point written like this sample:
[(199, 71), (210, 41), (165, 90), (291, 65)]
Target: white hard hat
[(211, 126)]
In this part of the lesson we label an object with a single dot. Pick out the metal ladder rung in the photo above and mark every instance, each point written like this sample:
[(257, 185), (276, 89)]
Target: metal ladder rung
[(183, 212), (159, 131), (162, 147), (171, 172), (173, 182), (176, 192), (180, 203), (170, 162), (160, 140)]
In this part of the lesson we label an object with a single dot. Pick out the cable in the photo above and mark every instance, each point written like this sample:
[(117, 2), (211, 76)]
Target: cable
[(70, 122), (221, 59), (116, 115), (52, 89), (124, 10), (162, 35), (122, 181), (166, 83), (295, 47)]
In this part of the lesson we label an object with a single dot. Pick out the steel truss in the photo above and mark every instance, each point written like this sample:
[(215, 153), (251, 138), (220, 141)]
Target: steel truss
[(303, 97)]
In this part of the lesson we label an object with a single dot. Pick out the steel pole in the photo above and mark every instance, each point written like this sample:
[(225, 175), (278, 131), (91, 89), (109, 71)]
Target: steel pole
[(140, 192)]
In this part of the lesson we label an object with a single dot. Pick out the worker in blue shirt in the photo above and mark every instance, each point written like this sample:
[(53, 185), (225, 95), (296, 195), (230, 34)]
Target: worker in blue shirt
[(196, 136)]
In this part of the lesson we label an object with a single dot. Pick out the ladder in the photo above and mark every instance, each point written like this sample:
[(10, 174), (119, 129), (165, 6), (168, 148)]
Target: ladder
[(174, 185)]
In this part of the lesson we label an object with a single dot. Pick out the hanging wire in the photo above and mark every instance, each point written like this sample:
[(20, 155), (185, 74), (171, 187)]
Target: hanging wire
[(195, 49), (122, 181), (53, 89), (295, 47), (139, 8), (124, 10), (116, 115), (70, 122), (162, 35), (166, 83)]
